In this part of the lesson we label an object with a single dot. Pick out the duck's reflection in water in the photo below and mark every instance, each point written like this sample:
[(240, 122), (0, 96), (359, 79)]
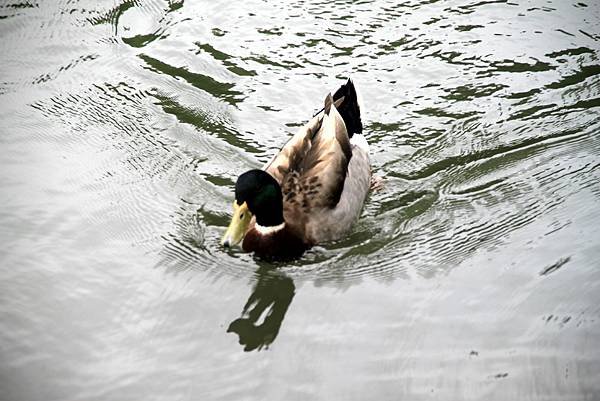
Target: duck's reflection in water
[(270, 299)]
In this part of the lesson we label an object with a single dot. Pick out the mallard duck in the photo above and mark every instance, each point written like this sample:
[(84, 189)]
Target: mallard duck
[(312, 191)]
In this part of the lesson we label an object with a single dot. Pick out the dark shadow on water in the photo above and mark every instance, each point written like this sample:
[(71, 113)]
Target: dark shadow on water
[(269, 300)]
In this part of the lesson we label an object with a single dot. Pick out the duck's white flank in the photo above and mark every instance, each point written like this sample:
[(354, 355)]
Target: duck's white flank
[(268, 230), (360, 141)]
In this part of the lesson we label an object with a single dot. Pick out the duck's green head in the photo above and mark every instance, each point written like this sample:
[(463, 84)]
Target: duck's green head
[(256, 194)]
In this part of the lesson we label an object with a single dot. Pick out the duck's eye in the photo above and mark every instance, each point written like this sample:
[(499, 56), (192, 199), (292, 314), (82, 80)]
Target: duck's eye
[(241, 215)]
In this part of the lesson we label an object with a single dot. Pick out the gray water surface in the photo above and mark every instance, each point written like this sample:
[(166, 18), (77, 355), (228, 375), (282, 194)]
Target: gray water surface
[(473, 274)]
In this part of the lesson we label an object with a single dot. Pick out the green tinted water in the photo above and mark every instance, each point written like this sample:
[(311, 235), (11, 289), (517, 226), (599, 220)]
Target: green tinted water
[(473, 273)]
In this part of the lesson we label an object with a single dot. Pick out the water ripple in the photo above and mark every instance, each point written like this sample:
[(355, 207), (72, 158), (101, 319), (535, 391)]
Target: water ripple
[(125, 125)]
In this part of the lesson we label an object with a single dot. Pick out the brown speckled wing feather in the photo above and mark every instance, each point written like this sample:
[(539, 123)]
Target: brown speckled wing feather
[(316, 182), (292, 154), (294, 151), (312, 166), (323, 169)]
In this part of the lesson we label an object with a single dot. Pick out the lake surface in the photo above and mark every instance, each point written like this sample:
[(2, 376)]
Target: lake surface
[(473, 274)]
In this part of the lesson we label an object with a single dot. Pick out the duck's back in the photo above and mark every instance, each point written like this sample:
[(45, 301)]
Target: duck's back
[(324, 170)]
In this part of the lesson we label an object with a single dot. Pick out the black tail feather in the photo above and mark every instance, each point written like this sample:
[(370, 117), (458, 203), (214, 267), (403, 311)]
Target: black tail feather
[(349, 109)]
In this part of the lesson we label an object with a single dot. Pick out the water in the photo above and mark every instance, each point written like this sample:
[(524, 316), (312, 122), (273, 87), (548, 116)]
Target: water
[(473, 274)]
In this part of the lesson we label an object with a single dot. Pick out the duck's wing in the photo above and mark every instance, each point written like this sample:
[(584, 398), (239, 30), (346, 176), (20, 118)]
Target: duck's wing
[(294, 151), (291, 156), (316, 181)]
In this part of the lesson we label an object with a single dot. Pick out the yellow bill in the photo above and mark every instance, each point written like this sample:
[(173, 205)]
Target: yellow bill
[(238, 226)]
